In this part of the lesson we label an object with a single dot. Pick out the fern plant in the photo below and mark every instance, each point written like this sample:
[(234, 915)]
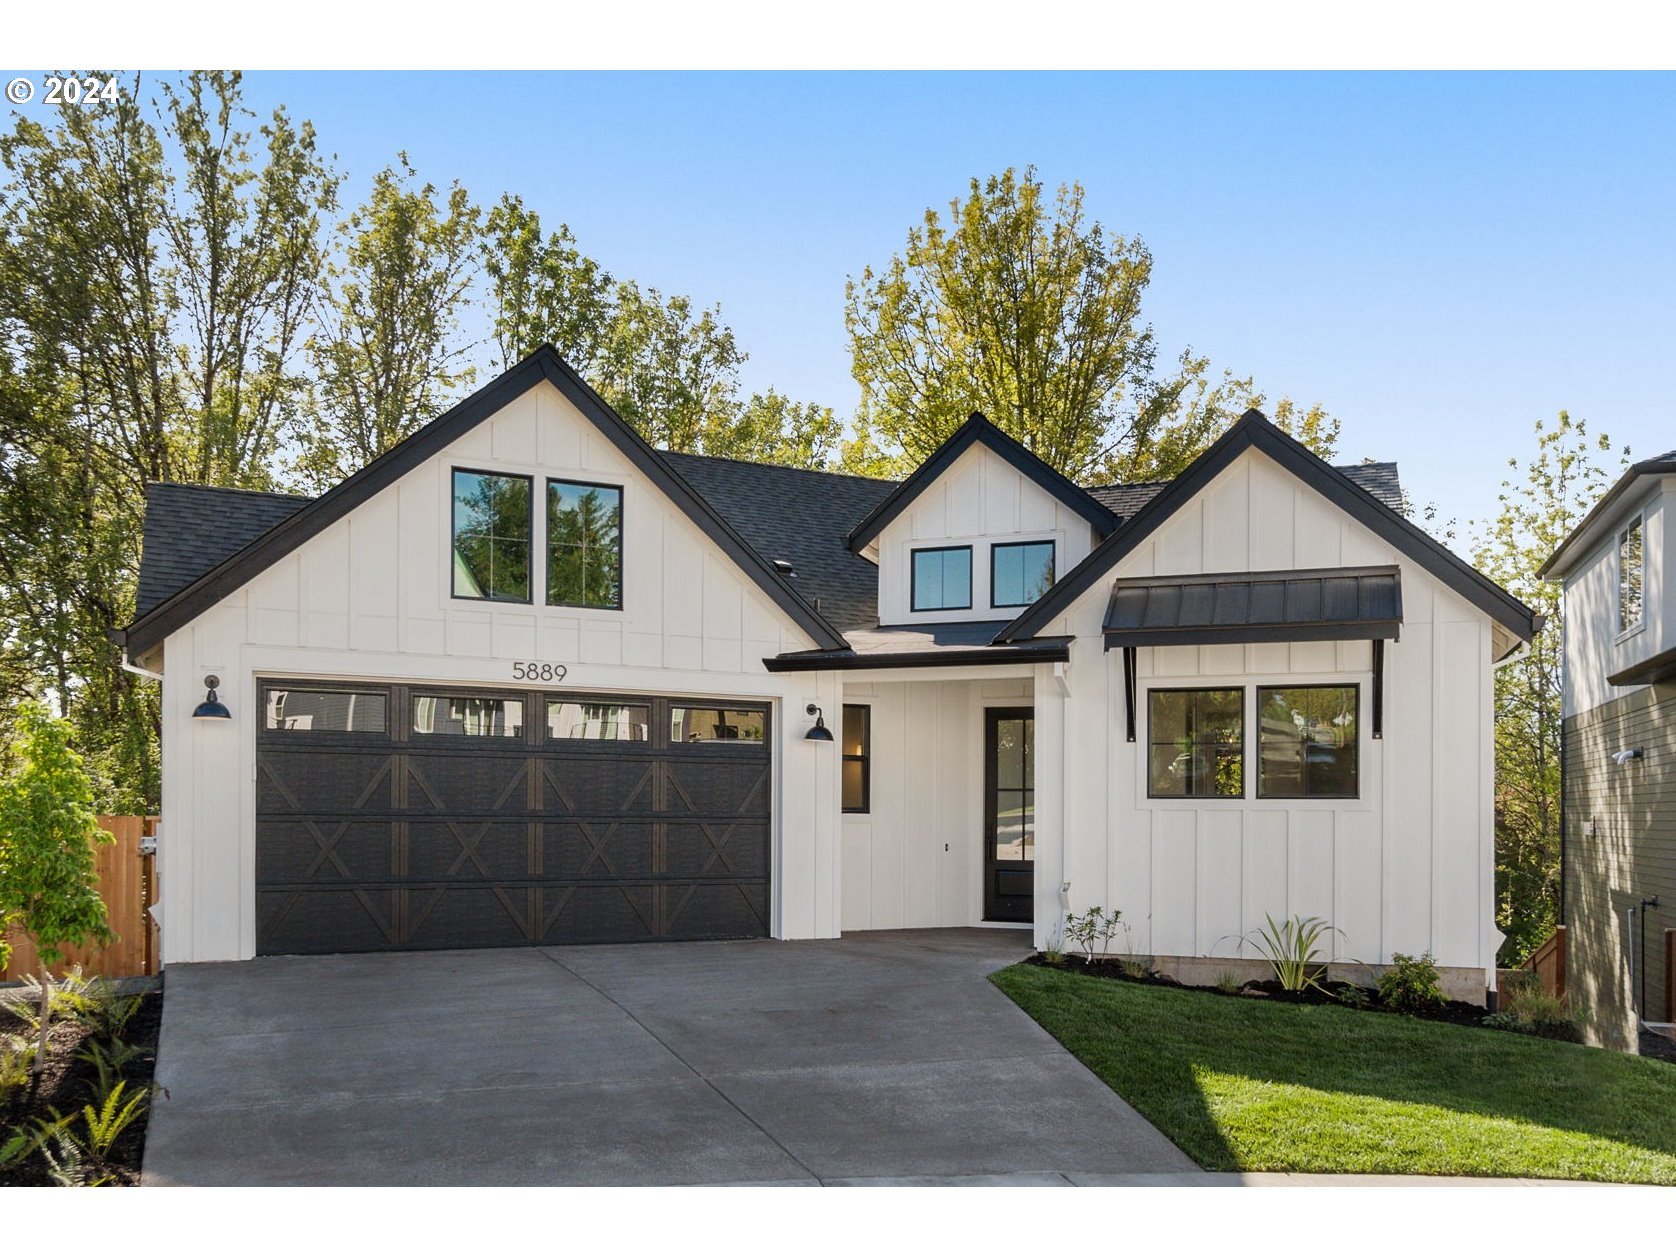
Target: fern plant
[(105, 1121), (109, 1060)]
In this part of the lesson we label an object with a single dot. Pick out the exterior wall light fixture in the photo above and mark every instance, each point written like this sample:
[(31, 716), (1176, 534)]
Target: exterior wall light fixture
[(212, 708), (820, 733)]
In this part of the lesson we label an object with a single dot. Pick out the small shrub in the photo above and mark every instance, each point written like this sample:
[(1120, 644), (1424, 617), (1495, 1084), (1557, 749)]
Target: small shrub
[(1352, 996), (1228, 983), (1137, 968), (1526, 1007), (1412, 984), (1053, 955), (1095, 925)]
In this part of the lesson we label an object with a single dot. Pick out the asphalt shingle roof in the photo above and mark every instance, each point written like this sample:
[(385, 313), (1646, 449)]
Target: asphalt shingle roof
[(190, 528), (1379, 479), (802, 517)]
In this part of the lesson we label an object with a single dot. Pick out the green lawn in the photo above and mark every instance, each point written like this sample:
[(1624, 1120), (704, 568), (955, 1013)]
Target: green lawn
[(1245, 1084)]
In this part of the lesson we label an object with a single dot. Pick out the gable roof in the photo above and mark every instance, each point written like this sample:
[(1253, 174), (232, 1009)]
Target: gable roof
[(152, 626), (978, 430), (1559, 563), (1253, 431), (1379, 479)]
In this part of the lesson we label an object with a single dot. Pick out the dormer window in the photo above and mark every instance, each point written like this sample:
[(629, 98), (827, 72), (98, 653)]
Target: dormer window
[(942, 579), (1020, 573), (1629, 578)]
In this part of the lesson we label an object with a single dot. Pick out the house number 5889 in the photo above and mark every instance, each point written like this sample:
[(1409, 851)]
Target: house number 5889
[(538, 672)]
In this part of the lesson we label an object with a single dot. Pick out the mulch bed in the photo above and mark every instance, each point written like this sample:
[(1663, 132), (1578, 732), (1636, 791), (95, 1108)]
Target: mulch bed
[(1661, 1047), (67, 1085), (1456, 1012)]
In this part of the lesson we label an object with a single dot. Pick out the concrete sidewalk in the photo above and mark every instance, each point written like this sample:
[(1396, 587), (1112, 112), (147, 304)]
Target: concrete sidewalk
[(879, 1057)]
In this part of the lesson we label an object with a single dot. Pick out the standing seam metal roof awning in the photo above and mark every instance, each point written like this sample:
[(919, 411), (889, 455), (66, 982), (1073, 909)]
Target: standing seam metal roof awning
[(1324, 604)]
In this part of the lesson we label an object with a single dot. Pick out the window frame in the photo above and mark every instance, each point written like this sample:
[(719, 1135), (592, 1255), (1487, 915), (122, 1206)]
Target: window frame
[(1242, 689), (547, 599), (1053, 567), (1636, 523), (913, 578), (865, 759), (528, 600), (1257, 733)]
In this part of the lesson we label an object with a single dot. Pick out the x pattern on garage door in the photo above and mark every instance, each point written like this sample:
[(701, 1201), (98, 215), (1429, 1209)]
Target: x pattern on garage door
[(371, 836)]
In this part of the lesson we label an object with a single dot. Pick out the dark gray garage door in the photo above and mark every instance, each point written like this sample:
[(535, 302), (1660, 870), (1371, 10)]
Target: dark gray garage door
[(406, 817)]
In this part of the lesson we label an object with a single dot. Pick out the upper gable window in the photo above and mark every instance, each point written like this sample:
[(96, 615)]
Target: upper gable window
[(942, 579), (1629, 578), (1020, 573), (491, 530), (584, 545)]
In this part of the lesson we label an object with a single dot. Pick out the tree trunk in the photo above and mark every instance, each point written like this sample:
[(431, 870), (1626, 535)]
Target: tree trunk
[(46, 1009)]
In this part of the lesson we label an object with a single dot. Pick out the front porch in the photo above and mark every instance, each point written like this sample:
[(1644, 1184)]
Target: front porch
[(940, 817)]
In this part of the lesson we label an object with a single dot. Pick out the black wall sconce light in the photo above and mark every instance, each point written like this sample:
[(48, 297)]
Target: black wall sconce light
[(820, 733), (212, 708)]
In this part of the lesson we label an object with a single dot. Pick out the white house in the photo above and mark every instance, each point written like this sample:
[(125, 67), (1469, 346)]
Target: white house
[(525, 679)]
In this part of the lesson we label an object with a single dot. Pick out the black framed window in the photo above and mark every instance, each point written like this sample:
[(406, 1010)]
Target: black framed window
[(941, 579), (468, 716), (324, 711), (1307, 741), (1197, 743), (1629, 577), (492, 539), (858, 749), (1020, 572), (584, 545)]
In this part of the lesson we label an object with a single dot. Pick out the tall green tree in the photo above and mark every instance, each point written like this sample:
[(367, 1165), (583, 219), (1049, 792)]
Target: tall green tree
[(388, 355), (669, 366), (1550, 493), (47, 830), (155, 270), (1023, 308)]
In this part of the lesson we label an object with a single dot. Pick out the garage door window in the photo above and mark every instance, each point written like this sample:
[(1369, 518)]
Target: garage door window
[(468, 717), (492, 536), (325, 711), (715, 724), (599, 722)]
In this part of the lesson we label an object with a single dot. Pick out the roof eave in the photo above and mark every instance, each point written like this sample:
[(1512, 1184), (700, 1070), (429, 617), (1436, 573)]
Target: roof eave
[(1560, 563), (979, 430)]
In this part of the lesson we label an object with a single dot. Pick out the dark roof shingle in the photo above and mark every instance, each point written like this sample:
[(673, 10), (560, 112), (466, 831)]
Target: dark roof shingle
[(1379, 479), (190, 528)]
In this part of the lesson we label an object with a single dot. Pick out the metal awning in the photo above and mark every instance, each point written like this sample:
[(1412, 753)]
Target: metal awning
[(1322, 604)]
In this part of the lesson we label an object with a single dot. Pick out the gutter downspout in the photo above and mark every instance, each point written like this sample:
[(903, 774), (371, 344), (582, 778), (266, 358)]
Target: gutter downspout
[(137, 670)]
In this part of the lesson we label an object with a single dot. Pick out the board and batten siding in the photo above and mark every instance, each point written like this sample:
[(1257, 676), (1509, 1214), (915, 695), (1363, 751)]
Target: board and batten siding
[(1406, 867), (980, 501), (1620, 848), (369, 597), (1594, 648), (915, 858)]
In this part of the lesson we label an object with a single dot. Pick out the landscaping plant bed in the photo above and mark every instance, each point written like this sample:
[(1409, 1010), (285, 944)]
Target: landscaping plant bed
[(69, 1083), (1336, 993)]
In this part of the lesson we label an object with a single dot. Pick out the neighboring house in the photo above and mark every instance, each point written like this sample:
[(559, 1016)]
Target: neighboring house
[(525, 679), (1618, 841)]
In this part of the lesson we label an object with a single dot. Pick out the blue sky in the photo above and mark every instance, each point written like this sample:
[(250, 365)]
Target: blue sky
[(1442, 260)]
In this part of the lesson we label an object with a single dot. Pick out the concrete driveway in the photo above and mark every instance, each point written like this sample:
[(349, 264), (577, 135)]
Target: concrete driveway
[(880, 1057)]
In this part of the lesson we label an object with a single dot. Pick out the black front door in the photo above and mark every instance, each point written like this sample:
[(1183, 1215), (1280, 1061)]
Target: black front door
[(1009, 813)]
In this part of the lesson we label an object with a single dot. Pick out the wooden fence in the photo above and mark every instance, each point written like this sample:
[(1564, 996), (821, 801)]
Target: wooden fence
[(128, 885)]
